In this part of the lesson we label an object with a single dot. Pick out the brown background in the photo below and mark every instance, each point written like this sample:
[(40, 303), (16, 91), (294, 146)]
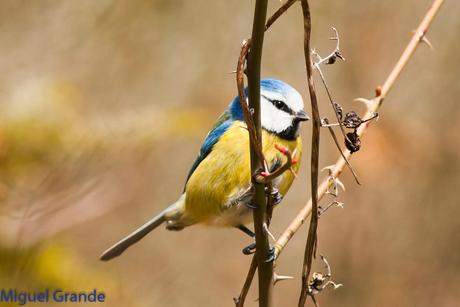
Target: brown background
[(104, 105)]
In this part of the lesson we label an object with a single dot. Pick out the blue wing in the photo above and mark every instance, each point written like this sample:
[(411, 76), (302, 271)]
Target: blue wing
[(227, 118)]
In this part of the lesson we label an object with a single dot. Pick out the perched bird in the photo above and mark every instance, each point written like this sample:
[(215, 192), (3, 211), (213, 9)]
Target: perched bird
[(218, 188)]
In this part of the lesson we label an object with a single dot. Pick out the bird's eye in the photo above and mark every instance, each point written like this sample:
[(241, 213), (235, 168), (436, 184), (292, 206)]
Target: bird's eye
[(279, 104)]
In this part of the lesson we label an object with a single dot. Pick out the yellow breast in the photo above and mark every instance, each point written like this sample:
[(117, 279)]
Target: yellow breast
[(225, 173)]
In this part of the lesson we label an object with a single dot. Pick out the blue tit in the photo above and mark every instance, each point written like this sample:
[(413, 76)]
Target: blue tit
[(218, 187)]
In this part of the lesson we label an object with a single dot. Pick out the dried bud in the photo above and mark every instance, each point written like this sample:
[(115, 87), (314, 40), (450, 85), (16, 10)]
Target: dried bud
[(331, 60), (378, 91), (352, 120), (352, 142)]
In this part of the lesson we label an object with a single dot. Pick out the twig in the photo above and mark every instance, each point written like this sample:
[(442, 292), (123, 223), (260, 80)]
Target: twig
[(253, 135), (330, 59), (265, 177), (334, 203), (239, 301), (321, 281), (372, 106), (312, 238), (278, 13)]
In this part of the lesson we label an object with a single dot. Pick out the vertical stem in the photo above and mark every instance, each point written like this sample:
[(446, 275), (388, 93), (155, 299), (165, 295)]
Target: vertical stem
[(311, 240), (265, 269)]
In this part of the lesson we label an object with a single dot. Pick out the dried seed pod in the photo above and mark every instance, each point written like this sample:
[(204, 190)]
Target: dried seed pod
[(331, 60), (352, 120), (352, 142)]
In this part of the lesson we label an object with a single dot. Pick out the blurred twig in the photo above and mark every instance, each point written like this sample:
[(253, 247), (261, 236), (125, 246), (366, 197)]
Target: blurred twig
[(372, 106)]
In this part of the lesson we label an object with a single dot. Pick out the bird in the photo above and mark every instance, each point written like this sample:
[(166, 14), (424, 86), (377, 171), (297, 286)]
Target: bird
[(218, 188)]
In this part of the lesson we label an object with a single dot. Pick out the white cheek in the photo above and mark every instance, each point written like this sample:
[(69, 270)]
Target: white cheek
[(273, 119)]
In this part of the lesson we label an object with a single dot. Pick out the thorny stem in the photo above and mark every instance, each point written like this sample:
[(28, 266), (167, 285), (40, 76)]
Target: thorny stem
[(312, 236), (373, 106)]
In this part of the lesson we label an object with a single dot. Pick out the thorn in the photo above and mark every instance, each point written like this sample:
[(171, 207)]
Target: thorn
[(294, 161), (424, 39), (329, 168), (367, 102), (340, 183), (293, 172), (278, 278)]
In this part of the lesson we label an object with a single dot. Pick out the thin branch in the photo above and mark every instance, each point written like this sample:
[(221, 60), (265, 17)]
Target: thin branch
[(265, 177), (330, 59), (372, 107), (239, 301), (253, 135), (312, 237), (278, 13)]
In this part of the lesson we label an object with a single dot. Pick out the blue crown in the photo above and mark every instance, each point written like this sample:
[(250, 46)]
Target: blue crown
[(271, 85)]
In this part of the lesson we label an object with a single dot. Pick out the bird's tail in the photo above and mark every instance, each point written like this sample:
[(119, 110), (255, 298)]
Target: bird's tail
[(175, 210)]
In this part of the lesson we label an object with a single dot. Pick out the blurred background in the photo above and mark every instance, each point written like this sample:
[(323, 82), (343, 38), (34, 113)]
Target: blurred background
[(104, 105)]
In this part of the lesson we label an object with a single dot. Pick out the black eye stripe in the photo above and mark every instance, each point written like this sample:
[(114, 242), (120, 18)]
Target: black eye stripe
[(280, 105)]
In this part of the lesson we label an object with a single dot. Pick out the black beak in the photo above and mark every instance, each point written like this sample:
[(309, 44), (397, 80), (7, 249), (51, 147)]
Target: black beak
[(301, 116)]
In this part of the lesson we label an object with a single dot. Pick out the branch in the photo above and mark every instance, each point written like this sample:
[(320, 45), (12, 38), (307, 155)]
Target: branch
[(312, 238), (265, 269), (372, 106), (239, 302)]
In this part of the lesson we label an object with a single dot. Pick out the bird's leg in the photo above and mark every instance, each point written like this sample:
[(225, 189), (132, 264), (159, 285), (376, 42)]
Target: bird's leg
[(250, 249), (246, 230)]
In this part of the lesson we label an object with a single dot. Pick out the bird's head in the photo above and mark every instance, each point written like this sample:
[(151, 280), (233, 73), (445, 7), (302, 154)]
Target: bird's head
[(281, 108)]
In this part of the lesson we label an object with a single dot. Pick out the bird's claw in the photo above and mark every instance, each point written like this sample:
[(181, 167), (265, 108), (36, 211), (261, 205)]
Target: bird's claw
[(251, 206), (275, 195), (250, 249), (271, 255)]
